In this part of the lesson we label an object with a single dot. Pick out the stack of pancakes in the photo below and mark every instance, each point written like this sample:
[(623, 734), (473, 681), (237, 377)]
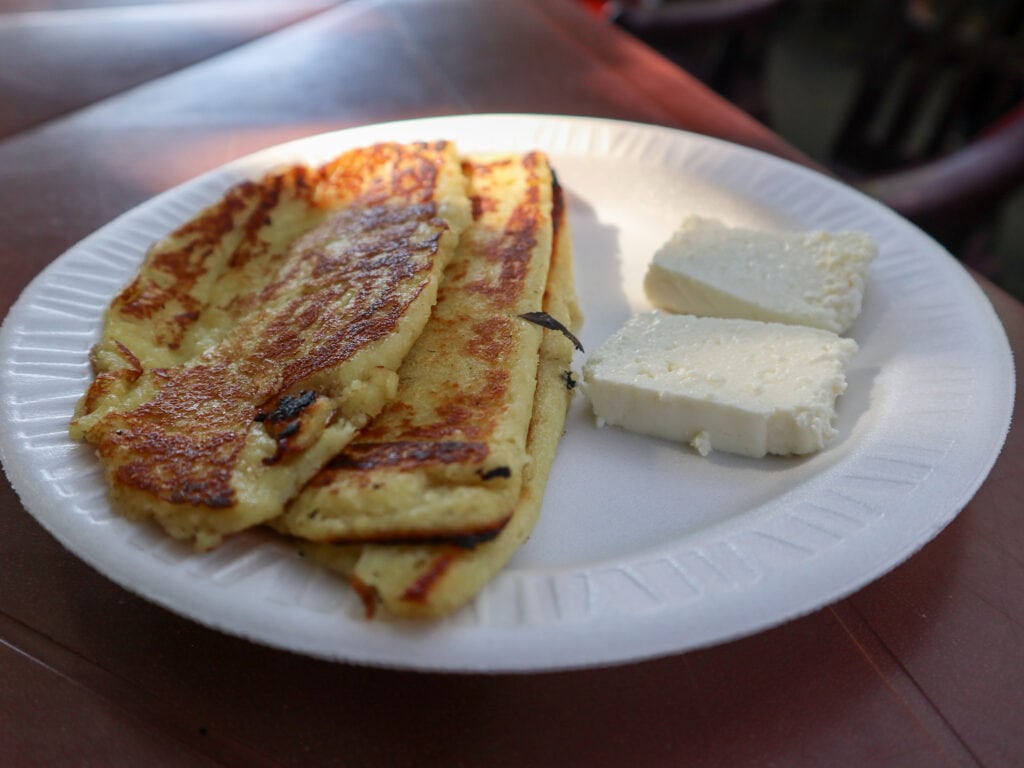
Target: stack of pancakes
[(340, 353)]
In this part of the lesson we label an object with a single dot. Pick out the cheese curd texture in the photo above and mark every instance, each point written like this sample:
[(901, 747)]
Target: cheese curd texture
[(802, 278), (741, 386)]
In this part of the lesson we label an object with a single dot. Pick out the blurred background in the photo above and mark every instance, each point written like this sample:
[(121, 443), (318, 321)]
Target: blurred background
[(920, 103)]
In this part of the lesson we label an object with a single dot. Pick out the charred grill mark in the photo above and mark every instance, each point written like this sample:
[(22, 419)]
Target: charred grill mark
[(105, 381), (471, 413), (189, 253), (557, 205), (490, 474), (165, 453), (129, 357), (287, 421), (462, 538), (187, 262), (406, 453), (557, 221), (178, 326), (414, 172), (364, 284), (459, 412), (473, 168), (513, 250), (367, 595), (288, 407), (482, 205), (268, 198), (492, 339), (419, 590)]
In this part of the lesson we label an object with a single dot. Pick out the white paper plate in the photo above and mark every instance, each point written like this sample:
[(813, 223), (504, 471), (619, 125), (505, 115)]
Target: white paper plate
[(644, 548)]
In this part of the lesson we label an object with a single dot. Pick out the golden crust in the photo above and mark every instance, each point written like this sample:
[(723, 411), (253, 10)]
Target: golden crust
[(260, 335), (425, 581), (445, 459)]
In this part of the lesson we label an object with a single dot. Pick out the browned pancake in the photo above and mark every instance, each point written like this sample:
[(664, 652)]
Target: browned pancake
[(431, 580), (446, 458), (263, 333)]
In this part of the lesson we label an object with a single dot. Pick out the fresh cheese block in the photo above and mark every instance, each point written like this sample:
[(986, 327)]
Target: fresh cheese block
[(803, 278), (741, 386)]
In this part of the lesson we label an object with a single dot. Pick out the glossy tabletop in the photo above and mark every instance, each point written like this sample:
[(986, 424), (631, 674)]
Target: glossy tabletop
[(102, 106)]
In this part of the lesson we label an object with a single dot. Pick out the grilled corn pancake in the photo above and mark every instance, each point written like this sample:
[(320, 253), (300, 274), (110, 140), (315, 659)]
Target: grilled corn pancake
[(431, 580), (258, 337), (445, 459)]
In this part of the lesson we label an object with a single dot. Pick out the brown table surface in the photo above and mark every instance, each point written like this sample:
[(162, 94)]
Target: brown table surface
[(923, 667)]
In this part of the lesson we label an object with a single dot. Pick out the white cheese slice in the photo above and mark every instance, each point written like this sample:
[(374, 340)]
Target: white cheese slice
[(804, 278), (741, 386)]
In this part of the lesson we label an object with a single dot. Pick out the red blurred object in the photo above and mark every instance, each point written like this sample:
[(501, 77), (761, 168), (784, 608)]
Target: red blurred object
[(602, 9)]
